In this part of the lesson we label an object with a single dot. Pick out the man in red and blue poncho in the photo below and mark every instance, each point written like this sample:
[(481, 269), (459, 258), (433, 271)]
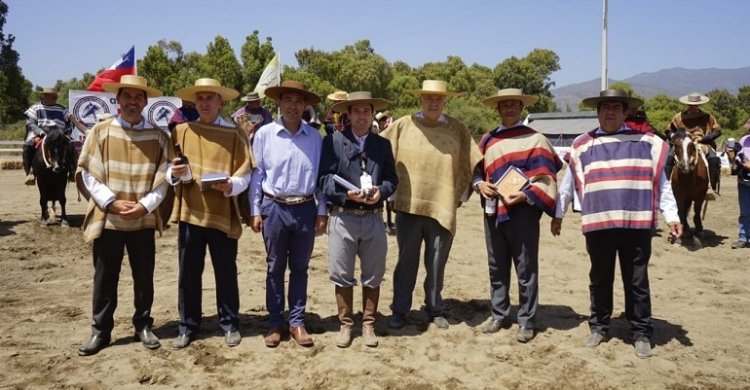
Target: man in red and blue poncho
[(618, 175), (511, 222)]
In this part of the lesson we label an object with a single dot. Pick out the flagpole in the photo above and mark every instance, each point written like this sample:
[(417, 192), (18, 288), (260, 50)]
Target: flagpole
[(604, 45)]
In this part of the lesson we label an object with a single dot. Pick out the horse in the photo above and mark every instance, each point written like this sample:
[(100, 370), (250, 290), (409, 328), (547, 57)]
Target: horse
[(54, 165), (689, 181)]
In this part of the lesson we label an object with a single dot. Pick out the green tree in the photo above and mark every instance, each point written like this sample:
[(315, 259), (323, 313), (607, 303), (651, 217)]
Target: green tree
[(532, 74), (155, 66), (723, 105), (661, 109), (255, 56), (14, 88), (221, 63)]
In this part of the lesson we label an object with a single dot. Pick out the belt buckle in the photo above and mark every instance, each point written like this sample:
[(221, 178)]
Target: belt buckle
[(294, 199)]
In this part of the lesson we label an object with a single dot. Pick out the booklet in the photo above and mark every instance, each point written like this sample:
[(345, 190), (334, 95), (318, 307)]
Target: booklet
[(210, 179), (345, 183), (513, 180)]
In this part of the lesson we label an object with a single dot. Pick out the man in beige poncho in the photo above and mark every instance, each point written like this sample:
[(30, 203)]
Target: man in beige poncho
[(121, 170), (435, 156), (209, 215)]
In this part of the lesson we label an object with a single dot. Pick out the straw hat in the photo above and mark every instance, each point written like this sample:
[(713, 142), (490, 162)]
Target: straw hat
[(613, 95), (48, 91), (251, 97), (694, 99), (510, 94), (360, 97), (292, 86), (434, 87), (132, 81), (338, 96), (207, 85), (381, 115)]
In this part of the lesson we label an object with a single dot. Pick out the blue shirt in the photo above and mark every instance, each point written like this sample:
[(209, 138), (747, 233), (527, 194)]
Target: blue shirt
[(287, 164)]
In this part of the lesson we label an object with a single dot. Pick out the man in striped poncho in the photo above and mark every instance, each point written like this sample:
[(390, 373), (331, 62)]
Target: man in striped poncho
[(618, 174), (121, 170), (511, 227)]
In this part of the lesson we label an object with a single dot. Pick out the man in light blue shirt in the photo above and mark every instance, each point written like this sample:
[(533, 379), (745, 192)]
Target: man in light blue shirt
[(283, 195)]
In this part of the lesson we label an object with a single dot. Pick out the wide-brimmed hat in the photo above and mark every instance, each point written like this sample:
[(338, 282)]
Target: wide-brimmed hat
[(48, 91), (250, 97), (381, 115), (338, 96), (207, 85), (132, 81), (360, 97), (510, 94), (433, 87), (694, 99), (292, 86), (613, 95)]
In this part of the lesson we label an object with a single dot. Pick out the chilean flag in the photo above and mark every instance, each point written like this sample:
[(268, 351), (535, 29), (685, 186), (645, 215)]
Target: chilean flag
[(123, 66)]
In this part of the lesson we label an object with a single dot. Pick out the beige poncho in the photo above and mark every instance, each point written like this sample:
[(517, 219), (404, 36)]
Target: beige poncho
[(211, 149), (130, 162), (434, 164)]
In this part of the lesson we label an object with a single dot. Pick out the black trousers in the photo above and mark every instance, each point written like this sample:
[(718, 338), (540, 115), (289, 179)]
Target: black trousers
[(633, 246), (192, 242), (109, 250), (514, 242)]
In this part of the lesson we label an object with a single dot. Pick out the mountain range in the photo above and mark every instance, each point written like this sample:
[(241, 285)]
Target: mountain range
[(673, 82)]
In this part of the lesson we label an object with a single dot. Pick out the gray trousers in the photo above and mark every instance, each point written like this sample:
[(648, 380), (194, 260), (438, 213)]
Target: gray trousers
[(514, 242), (350, 236), (411, 231)]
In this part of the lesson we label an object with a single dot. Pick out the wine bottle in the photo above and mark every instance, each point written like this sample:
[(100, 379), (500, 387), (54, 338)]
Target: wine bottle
[(186, 177)]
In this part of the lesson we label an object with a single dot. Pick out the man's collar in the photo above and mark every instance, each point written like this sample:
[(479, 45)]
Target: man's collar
[(303, 127)]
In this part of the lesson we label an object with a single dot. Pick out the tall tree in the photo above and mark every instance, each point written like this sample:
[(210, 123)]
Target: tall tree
[(723, 105), (14, 88), (532, 74), (221, 63), (255, 56), (156, 67)]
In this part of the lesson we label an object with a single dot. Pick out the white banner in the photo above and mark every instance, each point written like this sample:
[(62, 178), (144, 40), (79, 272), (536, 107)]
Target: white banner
[(270, 76), (86, 105)]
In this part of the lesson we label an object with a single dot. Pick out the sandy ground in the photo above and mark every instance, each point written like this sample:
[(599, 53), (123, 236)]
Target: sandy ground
[(701, 305)]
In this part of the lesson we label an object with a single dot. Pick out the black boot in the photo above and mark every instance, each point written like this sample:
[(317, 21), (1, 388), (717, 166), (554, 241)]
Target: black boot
[(714, 172)]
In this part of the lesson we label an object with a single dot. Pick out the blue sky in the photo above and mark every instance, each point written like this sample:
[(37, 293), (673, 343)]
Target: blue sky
[(64, 39)]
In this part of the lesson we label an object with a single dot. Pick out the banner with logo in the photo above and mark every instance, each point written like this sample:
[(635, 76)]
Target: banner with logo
[(88, 107)]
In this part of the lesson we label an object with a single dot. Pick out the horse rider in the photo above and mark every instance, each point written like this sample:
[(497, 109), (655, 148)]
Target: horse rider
[(40, 118), (703, 129)]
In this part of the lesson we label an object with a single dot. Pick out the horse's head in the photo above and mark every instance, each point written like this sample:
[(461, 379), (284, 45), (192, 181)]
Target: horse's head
[(685, 151), (57, 150)]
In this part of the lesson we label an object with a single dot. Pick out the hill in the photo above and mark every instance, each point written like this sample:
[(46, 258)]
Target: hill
[(673, 82)]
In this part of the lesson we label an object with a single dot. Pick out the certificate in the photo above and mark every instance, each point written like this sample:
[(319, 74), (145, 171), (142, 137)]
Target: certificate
[(513, 180)]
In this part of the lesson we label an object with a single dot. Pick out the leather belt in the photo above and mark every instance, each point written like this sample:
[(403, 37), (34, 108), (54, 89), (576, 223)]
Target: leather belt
[(345, 210), (290, 200)]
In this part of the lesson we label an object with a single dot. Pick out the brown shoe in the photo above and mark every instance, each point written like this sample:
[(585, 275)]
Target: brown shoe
[(299, 334), (30, 179), (273, 338)]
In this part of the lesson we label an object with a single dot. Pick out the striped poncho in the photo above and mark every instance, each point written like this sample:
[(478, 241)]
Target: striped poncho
[(130, 162), (531, 152), (617, 178), (211, 149)]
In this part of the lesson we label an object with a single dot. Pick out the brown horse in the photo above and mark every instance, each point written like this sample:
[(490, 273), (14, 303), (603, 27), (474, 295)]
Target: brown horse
[(689, 181)]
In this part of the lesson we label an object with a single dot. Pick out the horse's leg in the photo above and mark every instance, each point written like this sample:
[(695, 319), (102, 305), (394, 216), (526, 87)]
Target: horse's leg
[(697, 221), (43, 204), (61, 191), (683, 207)]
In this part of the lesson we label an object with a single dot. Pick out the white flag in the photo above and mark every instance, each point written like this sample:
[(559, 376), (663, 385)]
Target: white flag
[(270, 77)]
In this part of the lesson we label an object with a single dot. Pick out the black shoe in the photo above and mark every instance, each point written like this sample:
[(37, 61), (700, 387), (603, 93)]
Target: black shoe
[(182, 341), (232, 338), (95, 344), (148, 338)]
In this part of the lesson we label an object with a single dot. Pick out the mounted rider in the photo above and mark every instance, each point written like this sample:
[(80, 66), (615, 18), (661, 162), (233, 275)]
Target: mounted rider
[(703, 129)]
